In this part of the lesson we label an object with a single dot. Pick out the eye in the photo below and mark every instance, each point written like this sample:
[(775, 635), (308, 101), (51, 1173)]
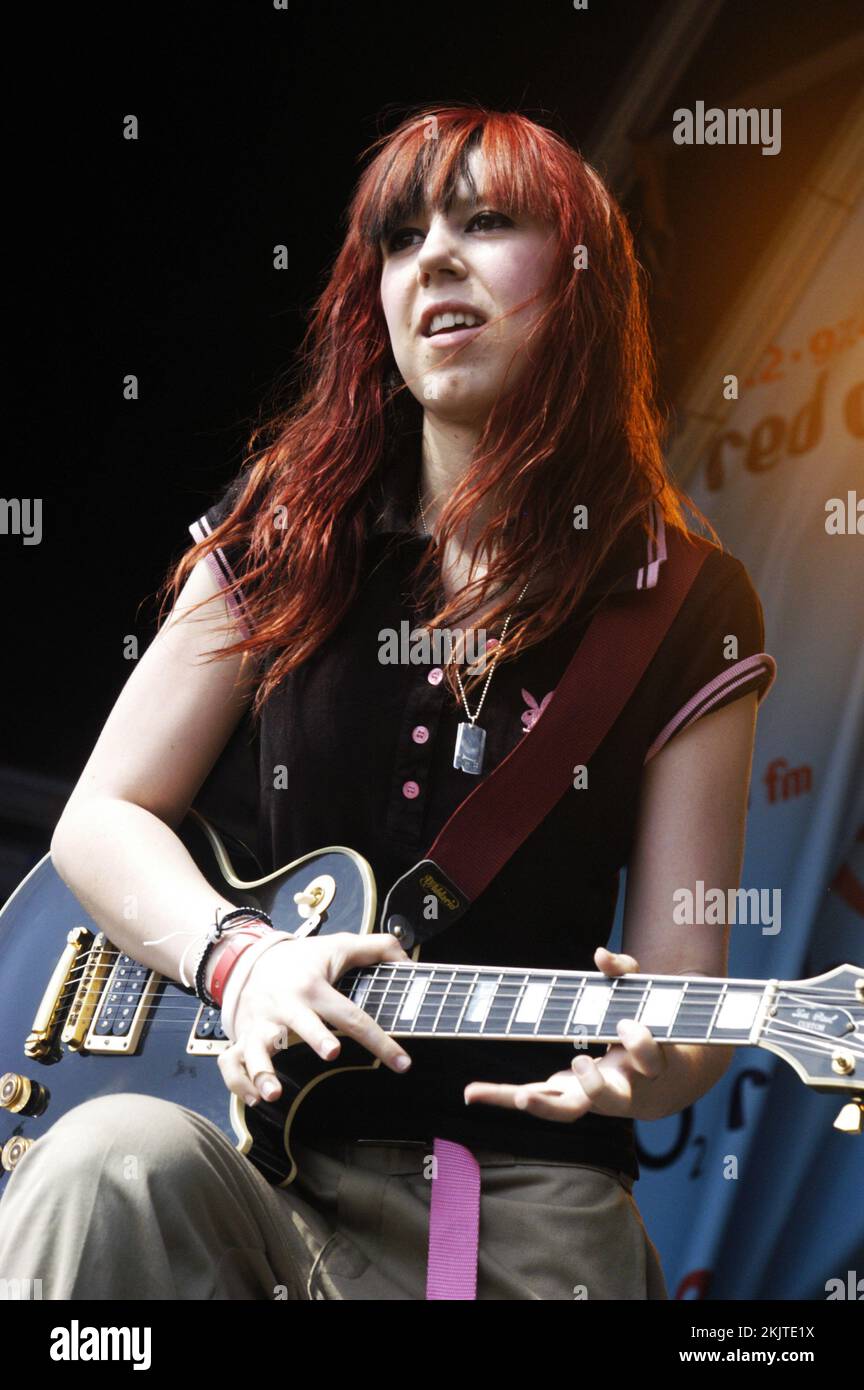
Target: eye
[(498, 218), (395, 241), (489, 220)]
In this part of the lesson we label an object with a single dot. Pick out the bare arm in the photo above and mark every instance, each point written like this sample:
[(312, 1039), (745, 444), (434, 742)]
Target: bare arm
[(114, 845), (692, 815), (692, 818)]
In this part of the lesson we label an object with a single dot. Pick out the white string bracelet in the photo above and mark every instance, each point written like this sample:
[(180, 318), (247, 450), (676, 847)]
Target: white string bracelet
[(199, 934), (197, 937), (239, 975), (207, 937), (194, 932)]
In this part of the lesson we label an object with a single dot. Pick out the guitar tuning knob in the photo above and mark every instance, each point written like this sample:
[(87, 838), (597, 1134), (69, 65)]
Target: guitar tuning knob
[(851, 1117)]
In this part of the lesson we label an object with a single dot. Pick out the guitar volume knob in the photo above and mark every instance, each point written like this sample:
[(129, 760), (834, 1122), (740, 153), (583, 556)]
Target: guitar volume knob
[(14, 1150), (20, 1095)]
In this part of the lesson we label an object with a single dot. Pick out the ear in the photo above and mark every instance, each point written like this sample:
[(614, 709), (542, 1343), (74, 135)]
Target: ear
[(545, 700), (529, 699)]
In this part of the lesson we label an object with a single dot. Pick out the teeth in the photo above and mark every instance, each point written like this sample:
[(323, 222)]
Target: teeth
[(442, 321)]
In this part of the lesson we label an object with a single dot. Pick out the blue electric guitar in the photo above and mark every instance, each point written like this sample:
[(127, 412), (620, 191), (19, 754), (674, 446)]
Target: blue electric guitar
[(81, 1019)]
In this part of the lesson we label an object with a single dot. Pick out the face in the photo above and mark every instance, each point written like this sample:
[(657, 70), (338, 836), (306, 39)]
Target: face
[(472, 257)]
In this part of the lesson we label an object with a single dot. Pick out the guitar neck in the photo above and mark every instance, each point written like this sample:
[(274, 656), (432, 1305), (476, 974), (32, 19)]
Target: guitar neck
[(466, 1001)]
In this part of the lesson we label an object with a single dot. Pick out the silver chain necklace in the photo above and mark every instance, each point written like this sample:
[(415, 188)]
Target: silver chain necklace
[(471, 737)]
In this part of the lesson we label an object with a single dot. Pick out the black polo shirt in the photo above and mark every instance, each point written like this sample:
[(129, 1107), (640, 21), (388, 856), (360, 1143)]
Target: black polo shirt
[(355, 751)]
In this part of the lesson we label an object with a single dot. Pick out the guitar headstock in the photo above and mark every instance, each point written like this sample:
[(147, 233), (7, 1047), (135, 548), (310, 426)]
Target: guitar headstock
[(817, 1026)]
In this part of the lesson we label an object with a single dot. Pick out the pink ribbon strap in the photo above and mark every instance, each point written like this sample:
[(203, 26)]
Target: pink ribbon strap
[(454, 1223)]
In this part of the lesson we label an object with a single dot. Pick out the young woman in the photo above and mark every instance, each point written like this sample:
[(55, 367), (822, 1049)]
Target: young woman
[(473, 445)]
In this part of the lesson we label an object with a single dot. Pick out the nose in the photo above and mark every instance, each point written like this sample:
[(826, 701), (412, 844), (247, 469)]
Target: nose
[(439, 250)]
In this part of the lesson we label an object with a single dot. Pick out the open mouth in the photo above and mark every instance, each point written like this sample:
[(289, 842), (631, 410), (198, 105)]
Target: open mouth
[(449, 324)]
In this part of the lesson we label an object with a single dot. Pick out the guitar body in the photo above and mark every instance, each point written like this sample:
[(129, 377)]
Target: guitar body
[(79, 1019), (156, 1049)]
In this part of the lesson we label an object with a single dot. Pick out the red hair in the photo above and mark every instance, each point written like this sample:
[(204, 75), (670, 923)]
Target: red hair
[(581, 427)]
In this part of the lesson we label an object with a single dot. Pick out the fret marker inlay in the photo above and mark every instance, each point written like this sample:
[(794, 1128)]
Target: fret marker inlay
[(532, 1003), (592, 1006), (413, 998), (661, 1006), (482, 996), (738, 1009), (361, 988)]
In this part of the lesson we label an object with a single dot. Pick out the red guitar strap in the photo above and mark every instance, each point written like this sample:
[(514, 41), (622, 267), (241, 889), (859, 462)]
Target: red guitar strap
[(502, 811)]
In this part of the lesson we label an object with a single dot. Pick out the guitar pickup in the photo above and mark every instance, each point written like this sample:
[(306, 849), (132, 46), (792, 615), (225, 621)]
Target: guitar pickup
[(208, 1036), (125, 1007)]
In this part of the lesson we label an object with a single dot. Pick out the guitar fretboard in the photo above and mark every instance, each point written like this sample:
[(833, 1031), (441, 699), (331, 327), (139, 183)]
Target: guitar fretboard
[(483, 1002)]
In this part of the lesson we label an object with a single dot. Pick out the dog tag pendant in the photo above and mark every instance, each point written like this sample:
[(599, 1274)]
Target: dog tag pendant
[(470, 743)]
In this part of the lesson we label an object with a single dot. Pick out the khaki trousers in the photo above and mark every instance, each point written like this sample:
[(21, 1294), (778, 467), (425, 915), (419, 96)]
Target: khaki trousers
[(131, 1197)]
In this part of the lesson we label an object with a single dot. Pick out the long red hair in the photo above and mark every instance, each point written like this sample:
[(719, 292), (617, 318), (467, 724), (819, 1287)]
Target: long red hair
[(581, 427)]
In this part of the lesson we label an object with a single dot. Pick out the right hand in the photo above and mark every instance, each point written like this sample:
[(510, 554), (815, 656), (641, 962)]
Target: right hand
[(290, 989)]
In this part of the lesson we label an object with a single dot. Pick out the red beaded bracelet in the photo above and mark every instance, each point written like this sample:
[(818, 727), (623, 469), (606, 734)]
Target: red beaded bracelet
[(234, 948)]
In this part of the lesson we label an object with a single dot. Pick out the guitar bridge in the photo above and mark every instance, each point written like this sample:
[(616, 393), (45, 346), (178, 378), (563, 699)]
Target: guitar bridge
[(42, 1043)]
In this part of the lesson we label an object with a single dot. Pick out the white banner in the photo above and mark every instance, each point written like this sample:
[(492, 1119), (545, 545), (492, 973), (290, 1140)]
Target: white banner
[(754, 1194)]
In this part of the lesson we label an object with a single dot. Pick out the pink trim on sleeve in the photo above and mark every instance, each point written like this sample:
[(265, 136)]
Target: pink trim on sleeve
[(222, 573), (649, 573), (712, 693)]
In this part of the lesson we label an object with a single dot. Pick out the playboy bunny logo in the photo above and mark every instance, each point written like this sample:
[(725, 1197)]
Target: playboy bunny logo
[(534, 711)]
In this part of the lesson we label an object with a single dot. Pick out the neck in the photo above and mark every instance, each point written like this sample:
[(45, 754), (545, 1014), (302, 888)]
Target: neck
[(482, 1001), (447, 448)]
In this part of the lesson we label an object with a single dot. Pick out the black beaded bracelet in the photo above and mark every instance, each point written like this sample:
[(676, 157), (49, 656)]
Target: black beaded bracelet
[(242, 912), (215, 934)]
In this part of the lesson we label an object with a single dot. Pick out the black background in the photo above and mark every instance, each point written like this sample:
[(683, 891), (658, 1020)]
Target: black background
[(154, 257)]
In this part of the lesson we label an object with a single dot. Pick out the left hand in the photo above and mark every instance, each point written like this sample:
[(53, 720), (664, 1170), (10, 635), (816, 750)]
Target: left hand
[(604, 1085)]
